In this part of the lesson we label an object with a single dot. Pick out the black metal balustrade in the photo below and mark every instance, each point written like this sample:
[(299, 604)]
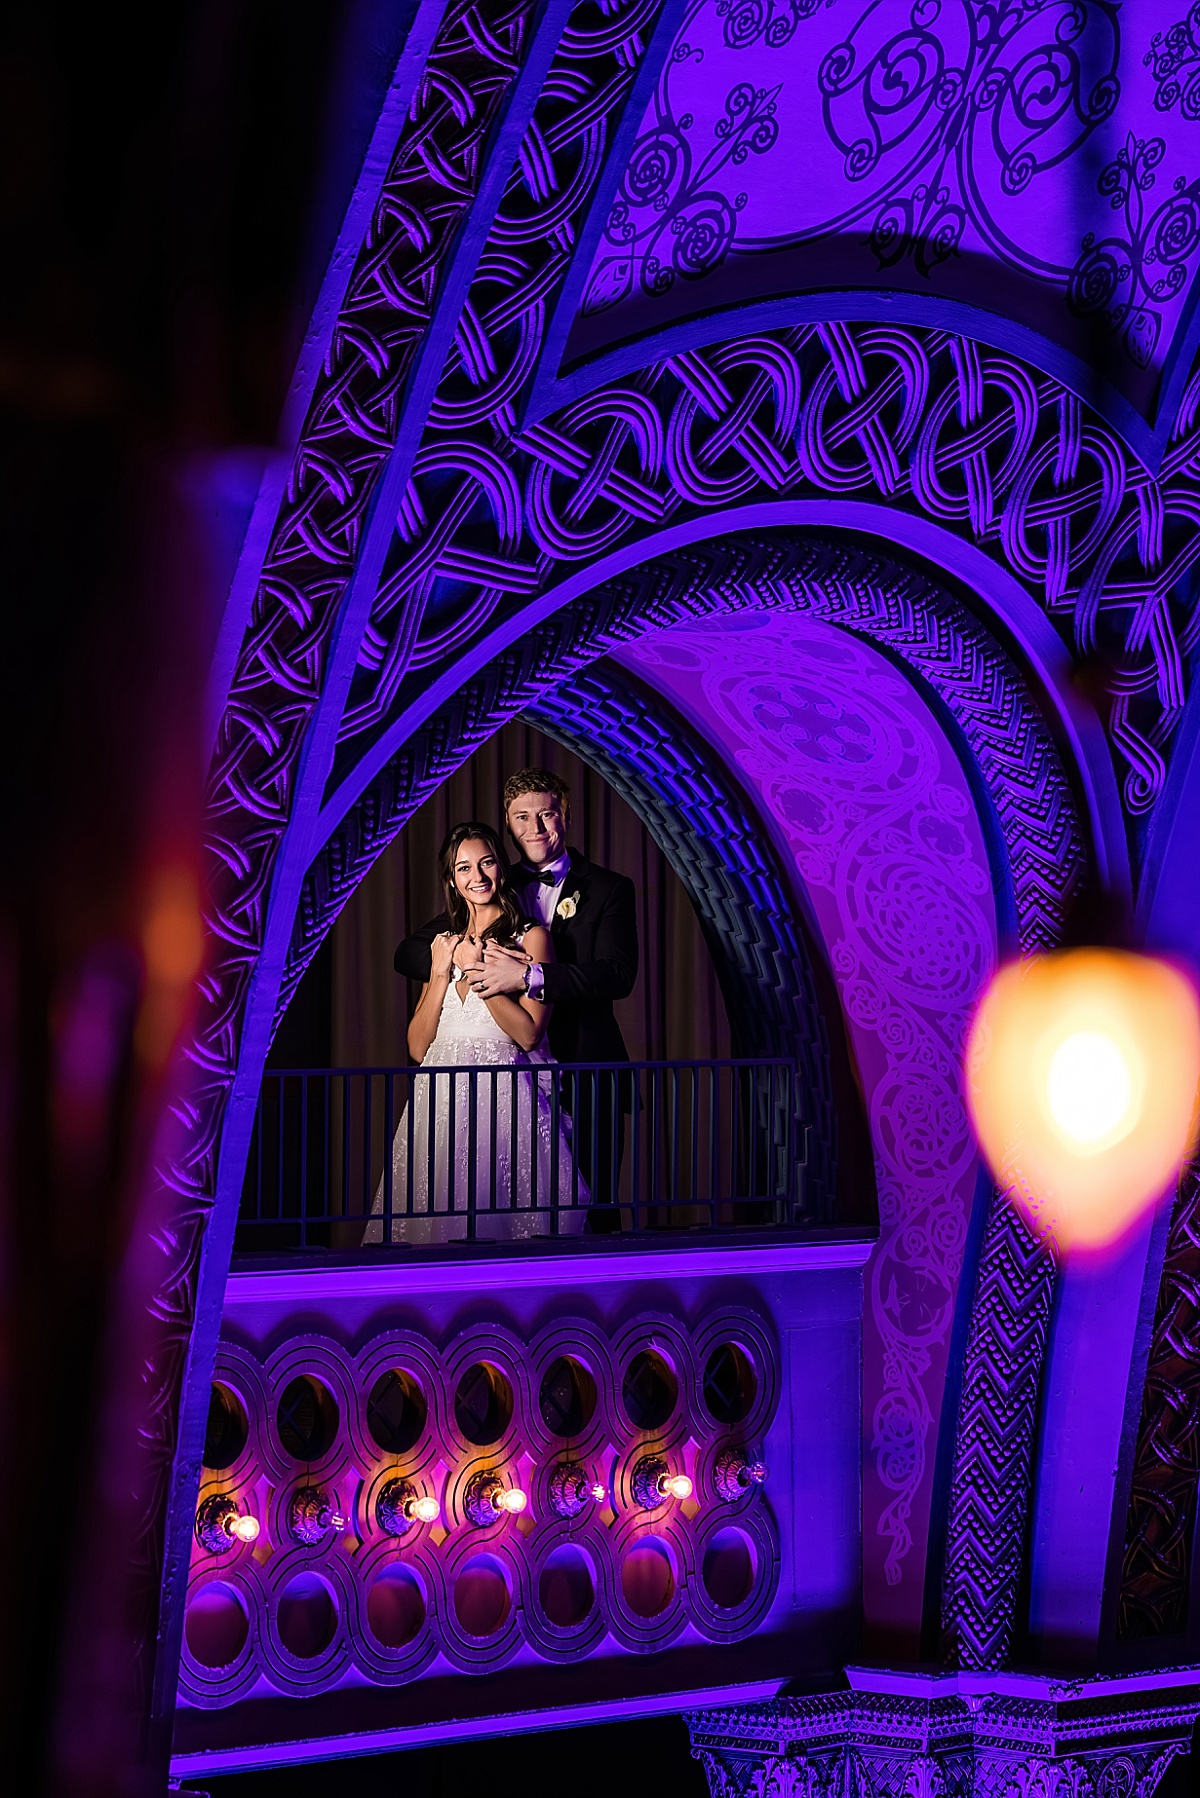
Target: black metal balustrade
[(344, 1158)]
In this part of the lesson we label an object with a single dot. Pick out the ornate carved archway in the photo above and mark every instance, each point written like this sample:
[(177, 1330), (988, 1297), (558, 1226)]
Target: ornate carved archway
[(1021, 781), (445, 482)]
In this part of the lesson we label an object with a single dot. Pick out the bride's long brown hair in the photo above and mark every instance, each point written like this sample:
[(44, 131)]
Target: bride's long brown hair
[(507, 926)]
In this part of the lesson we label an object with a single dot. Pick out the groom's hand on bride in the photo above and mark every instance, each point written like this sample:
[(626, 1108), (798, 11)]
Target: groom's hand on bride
[(502, 974)]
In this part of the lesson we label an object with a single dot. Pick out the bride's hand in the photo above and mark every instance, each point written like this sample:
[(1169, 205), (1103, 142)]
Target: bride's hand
[(441, 955), (502, 974), (470, 954)]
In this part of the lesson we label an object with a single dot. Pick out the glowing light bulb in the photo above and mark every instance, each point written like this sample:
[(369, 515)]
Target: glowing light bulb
[(675, 1485), (399, 1506), (598, 1492), (486, 1498), (1082, 1070), (220, 1526), (1090, 1090)]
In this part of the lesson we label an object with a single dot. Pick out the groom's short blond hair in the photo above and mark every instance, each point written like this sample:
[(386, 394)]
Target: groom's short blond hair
[(536, 780)]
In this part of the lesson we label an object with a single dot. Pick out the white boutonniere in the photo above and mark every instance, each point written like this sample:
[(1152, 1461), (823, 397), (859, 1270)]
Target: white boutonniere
[(566, 908)]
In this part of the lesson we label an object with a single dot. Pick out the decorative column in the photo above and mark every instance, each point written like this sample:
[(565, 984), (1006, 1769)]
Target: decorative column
[(954, 1735)]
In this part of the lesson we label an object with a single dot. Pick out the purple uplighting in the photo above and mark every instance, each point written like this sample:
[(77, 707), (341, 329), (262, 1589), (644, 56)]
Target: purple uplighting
[(598, 1009), (867, 800)]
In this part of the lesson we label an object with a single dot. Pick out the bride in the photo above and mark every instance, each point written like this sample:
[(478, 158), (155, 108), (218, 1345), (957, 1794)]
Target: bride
[(521, 1162)]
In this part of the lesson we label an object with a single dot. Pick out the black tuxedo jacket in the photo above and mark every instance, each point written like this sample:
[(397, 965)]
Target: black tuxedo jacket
[(597, 962)]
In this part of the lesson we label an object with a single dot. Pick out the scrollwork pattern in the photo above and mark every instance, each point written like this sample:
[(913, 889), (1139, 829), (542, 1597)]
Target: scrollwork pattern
[(1174, 58), (671, 218), (941, 120), (1126, 277), (979, 98), (774, 22)]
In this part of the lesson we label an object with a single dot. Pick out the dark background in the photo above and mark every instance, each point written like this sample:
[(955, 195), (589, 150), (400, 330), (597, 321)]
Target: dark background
[(645, 1759)]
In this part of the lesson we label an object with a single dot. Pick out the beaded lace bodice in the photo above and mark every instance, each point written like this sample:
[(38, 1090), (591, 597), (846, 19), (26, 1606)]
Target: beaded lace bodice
[(467, 1024)]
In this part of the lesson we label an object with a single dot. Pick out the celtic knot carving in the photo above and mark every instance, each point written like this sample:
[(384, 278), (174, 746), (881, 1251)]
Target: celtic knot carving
[(350, 428), (1126, 277), (1174, 58), (460, 548), (349, 431), (978, 441), (1156, 1577)]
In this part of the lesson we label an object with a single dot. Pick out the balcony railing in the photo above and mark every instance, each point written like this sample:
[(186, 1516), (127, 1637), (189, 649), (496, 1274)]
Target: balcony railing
[(351, 1158)]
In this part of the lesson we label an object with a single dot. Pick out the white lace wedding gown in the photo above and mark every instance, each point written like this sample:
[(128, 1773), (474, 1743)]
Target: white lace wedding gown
[(510, 1178)]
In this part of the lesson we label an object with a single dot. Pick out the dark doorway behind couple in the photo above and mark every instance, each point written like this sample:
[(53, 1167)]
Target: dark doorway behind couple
[(519, 972)]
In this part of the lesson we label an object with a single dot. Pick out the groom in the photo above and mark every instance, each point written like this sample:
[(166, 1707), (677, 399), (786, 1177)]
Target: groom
[(593, 924)]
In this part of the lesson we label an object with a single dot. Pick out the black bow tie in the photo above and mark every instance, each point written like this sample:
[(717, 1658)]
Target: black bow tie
[(543, 877)]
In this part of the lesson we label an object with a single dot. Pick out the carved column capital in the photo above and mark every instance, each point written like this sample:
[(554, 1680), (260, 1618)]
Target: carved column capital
[(954, 1735)]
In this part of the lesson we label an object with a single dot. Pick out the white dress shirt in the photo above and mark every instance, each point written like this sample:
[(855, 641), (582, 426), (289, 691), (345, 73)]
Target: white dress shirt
[(540, 902)]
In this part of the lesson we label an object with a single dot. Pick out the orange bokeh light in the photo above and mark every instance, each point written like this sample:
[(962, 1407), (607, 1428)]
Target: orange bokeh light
[(173, 946), (1082, 1069), (172, 933)]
